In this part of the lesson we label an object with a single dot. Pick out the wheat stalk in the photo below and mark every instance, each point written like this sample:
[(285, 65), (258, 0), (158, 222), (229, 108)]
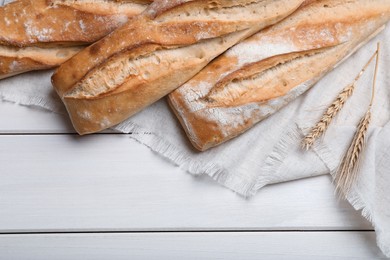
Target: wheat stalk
[(331, 112), (348, 170), (319, 129), (347, 173)]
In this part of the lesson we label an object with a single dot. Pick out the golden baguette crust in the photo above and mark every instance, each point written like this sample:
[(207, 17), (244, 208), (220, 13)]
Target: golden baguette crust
[(27, 23), (55, 27), (155, 53), (257, 77), (14, 60)]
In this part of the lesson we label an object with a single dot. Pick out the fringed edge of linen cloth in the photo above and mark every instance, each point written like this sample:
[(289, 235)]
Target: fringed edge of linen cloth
[(354, 197), (154, 142), (275, 160), (245, 188), (384, 243), (50, 105), (327, 156), (183, 160), (36, 102)]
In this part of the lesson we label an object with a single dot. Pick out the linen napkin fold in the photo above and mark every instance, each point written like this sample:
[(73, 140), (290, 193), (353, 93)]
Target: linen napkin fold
[(270, 152)]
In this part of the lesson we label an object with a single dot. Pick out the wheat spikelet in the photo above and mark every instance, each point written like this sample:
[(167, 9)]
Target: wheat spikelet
[(319, 129), (331, 112), (347, 173)]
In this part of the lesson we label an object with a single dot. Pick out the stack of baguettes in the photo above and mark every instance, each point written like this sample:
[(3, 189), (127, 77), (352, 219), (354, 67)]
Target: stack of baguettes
[(172, 45), (42, 34), (258, 77), (155, 53)]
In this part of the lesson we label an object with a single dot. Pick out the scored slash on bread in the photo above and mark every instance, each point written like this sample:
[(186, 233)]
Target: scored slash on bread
[(42, 34), (154, 54), (259, 76)]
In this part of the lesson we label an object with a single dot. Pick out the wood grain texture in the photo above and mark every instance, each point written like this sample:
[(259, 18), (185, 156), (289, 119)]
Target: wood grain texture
[(110, 182), (278, 245), (65, 183), (17, 119)]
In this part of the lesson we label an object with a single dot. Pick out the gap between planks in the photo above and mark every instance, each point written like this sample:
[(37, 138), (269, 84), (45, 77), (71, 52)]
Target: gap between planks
[(182, 232)]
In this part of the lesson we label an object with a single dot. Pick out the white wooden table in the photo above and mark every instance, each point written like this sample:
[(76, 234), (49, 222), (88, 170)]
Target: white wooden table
[(107, 197)]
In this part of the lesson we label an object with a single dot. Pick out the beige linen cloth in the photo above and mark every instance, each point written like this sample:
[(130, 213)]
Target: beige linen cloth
[(270, 152)]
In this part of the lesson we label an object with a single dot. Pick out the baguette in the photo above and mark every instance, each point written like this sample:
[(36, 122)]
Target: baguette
[(155, 53), (259, 76), (42, 34)]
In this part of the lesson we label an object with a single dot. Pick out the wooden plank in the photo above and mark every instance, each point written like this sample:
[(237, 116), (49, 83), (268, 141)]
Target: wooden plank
[(266, 245), (21, 119), (18, 119), (109, 182)]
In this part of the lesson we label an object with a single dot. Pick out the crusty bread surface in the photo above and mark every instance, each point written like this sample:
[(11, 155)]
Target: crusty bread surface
[(42, 34), (155, 53), (259, 76)]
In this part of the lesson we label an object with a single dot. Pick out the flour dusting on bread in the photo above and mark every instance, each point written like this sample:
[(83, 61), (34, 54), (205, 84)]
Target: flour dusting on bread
[(265, 72), (50, 25), (155, 53)]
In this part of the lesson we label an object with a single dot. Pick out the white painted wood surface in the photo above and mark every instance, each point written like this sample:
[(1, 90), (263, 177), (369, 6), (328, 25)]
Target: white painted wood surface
[(21, 119), (276, 245), (17, 119), (110, 182), (54, 181)]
